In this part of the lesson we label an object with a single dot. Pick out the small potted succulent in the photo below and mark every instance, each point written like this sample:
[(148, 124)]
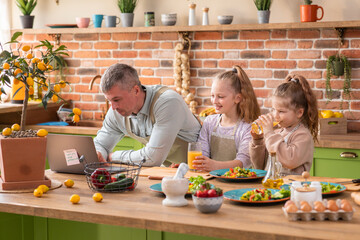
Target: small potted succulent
[(127, 8), (338, 65), (308, 12), (26, 7), (263, 7), (23, 152)]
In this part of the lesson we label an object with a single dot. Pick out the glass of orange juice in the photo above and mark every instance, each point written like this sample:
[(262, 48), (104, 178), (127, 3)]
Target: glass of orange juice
[(194, 150), (258, 129)]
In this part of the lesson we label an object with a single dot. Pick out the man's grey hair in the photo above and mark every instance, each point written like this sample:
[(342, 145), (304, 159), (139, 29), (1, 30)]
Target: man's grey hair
[(119, 74)]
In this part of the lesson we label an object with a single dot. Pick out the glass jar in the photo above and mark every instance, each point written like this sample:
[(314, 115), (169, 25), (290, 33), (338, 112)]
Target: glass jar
[(258, 129), (273, 178), (149, 19)]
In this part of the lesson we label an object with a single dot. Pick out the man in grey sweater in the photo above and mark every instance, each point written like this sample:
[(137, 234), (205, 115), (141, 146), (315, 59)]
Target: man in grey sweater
[(156, 116)]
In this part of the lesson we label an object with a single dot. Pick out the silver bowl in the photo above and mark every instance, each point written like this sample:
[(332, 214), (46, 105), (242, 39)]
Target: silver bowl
[(225, 19), (168, 19), (208, 204)]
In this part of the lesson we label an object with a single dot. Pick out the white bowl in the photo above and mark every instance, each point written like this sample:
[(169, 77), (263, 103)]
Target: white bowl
[(168, 19), (225, 19), (208, 204)]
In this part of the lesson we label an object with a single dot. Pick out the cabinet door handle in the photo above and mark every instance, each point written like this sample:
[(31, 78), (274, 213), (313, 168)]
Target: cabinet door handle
[(348, 155)]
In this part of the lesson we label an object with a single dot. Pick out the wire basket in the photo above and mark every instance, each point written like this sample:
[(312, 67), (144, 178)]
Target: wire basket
[(112, 176)]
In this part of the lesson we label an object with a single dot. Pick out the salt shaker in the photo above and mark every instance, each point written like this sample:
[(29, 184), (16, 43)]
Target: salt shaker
[(317, 186), (192, 18), (205, 19)]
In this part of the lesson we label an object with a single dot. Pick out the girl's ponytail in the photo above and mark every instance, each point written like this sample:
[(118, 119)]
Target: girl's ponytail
[(248, 108), (310, 116)]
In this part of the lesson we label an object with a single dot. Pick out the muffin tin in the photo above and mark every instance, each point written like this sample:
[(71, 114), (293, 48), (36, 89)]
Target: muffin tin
[(320, 216)]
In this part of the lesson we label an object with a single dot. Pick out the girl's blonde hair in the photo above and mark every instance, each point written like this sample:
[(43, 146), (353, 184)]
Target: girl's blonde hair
[(248, 108), (298, 90)]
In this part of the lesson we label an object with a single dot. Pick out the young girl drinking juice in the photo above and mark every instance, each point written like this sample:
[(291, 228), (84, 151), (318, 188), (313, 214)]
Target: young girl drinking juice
[(225, 136), (294, 106)]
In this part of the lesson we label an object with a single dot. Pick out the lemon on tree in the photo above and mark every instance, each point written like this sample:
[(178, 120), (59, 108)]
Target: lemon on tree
[(6, 66), (76, 118), (77, 111), (74, 198), (26, 48)]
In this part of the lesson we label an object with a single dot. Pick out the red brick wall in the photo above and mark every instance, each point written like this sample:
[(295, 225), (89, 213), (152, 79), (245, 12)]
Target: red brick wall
[(267, 56)]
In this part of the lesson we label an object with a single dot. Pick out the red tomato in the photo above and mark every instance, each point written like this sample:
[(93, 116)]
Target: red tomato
[(113, 179), (201, 194), (231, 170), (212, 193)]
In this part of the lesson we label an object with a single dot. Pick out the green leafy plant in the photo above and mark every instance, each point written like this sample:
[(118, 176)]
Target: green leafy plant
[(263, 5), (331, 63), (127, 6), (307, 2), (21, 66), (26, 6)]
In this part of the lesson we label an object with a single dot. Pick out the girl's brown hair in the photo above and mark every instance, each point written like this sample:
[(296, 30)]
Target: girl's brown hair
[(248, 109), (298, 90)]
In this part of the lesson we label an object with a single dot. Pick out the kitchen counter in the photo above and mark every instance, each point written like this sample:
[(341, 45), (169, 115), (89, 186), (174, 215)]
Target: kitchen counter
[(142, 209)]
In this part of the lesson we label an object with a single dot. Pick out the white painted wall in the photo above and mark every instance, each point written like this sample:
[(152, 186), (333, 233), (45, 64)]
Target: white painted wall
[(244, 11)]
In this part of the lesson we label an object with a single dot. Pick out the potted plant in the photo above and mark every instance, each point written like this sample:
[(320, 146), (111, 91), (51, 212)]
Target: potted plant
[(263, 7), (308, 12), (127, 8), (338, 65), (26, 7), (23, 153)]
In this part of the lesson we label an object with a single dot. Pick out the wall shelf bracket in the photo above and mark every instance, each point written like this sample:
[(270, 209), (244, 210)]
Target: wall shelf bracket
[(56, 37)]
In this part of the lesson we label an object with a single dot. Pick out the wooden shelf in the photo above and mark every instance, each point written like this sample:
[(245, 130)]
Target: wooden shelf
[(199, 28)]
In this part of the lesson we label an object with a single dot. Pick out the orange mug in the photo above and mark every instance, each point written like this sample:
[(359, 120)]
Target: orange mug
[(308, 13)]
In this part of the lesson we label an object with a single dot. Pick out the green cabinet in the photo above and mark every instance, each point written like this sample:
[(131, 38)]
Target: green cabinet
[(23, 227), (332, 162)]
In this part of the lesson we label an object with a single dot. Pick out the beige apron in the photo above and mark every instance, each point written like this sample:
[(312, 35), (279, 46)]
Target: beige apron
[(223, 148), (178, 152)]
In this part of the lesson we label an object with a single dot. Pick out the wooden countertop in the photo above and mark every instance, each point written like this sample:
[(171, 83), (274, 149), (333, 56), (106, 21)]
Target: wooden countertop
[(11, 107), (143, 208)]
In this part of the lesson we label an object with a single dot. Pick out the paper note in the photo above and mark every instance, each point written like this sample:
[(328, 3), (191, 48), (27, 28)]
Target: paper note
[(71, 157)]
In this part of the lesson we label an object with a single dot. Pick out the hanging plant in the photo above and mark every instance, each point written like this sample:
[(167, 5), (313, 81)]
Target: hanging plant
[(338, 65)]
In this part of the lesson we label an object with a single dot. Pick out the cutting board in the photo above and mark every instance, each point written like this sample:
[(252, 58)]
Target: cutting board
[(349, 186), (168, 172)]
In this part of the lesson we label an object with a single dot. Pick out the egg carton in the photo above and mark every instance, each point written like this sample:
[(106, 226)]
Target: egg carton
[(320, 216)]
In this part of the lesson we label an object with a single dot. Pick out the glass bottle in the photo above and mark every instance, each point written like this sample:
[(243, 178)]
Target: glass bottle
[(272, 178), (205, 19), (192, 18)]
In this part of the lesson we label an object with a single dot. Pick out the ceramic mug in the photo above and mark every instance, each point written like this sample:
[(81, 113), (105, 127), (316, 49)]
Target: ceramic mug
[(308, 13), (111, 21), (82, 22), (97, 20)]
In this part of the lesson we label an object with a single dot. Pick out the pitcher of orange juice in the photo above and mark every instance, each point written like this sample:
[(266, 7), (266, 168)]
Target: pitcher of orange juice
[(194, 150)]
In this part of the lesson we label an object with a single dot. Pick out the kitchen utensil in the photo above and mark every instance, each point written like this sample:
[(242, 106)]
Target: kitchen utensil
[(111, 21), (175, 190), (82, 22), (352, 181), (97, 20)]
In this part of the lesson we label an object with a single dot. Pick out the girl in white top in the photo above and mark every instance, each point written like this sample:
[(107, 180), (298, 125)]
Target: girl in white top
[(225, 136)]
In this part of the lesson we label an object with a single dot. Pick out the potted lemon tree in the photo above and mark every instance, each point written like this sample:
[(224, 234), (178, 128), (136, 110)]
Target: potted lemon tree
[(26, 168), (26, 7)]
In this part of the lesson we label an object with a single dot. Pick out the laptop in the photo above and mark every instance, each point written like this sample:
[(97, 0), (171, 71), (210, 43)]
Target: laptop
[(63, 153)]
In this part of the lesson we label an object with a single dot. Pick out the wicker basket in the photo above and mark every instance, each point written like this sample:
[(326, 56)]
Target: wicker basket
[(127, 170)]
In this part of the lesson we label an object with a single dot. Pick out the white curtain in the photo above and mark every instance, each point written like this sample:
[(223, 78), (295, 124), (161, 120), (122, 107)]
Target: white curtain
[(5, 14)]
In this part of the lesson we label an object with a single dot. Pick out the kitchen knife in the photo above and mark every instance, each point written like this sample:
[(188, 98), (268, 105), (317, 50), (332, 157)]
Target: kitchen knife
[(352, 181)]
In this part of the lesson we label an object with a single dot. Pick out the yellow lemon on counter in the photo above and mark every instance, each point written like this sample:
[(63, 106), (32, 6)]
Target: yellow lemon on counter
[(6, 66), (97, 197), (69, 183), (26, 48), (338, 115), (38, 192), (75, 198), (76, 111), (327, 114), (43, 188), (6, 131), (42, 132), (15, 127)]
